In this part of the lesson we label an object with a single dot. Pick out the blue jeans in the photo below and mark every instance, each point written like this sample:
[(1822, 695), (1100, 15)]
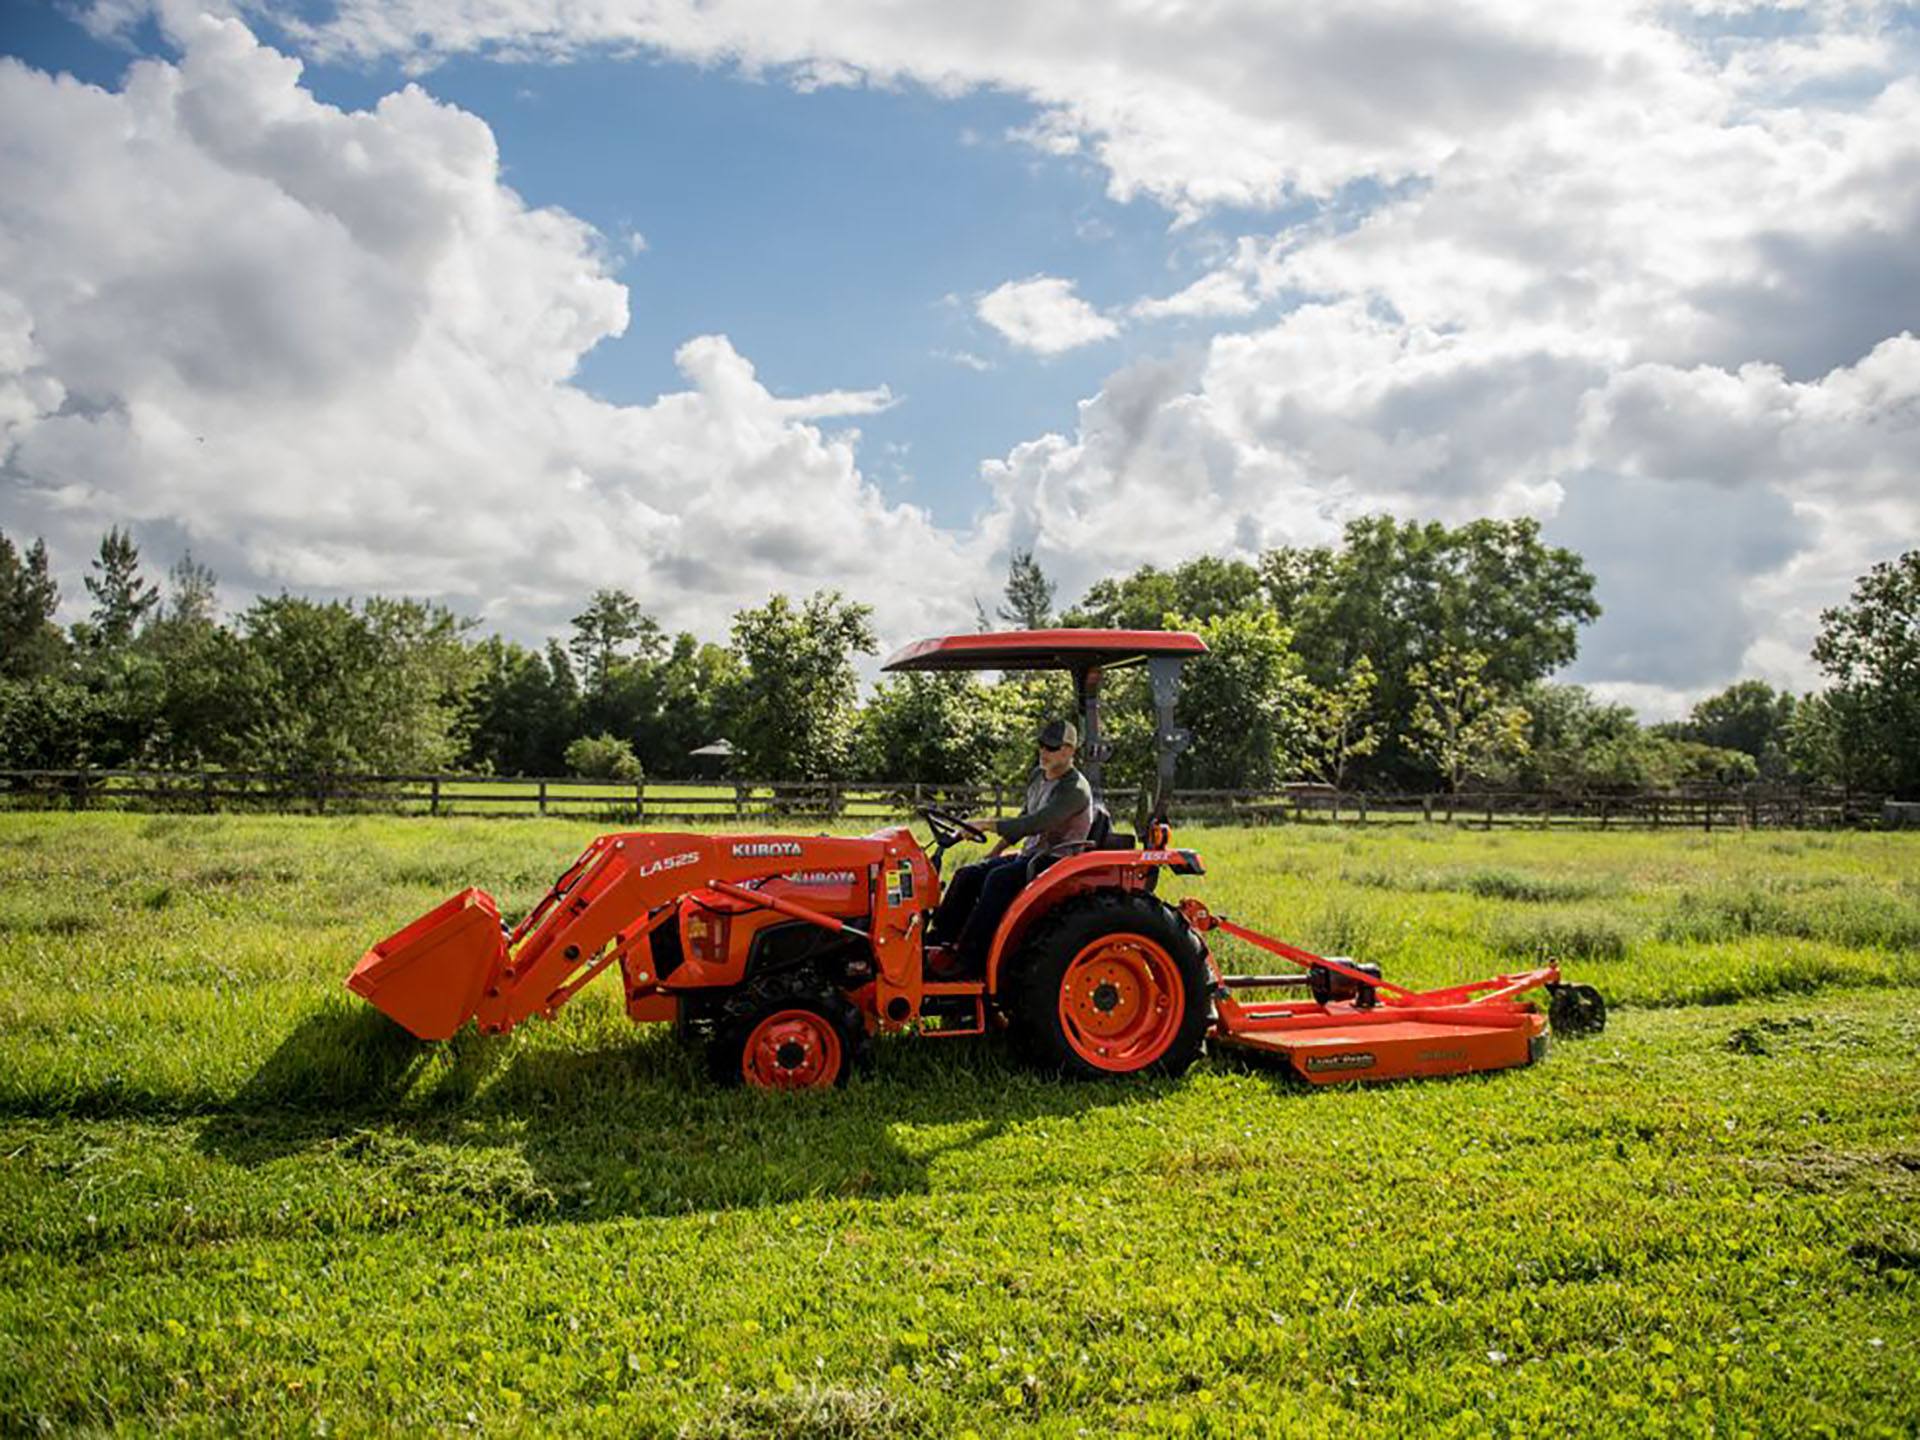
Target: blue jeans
[(975, 901)]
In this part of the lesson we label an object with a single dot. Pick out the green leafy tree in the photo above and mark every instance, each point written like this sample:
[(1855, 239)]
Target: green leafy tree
[(1642, 760), (692, 694), (193, 593), (796, 705), (612, 631), (1029, 594), (122, 596), (1824, 741), (201, 670), (521, 710), (1399, 593), (1567, 731), (604, 757), (930, 727), (1205, 587), (339, 690), (1336, 728), (207, 675), (47, 723), (1461, 724), (31, 644), (1243, 701), (1870, 651), (1749, 716)]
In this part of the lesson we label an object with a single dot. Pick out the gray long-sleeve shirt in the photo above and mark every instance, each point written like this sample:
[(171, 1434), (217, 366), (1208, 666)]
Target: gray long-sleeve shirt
[(1056, 811)]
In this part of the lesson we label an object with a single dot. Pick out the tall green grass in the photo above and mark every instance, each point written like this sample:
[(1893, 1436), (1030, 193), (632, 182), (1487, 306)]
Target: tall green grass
[(232, 1198)]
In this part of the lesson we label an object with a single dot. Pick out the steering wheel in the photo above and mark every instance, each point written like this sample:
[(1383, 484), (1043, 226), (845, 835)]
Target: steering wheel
[(949, 828)]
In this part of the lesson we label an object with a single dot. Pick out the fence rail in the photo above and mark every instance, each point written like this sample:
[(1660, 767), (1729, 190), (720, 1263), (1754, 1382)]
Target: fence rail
[(212, 791)]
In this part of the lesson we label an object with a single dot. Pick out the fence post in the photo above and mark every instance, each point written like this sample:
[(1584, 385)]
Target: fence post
[(639, 801), (1605, 806), (1426, 808), (543, 797), (1363, 807), (433, 806), (206, 791), (1546, 812), (1489, 814)]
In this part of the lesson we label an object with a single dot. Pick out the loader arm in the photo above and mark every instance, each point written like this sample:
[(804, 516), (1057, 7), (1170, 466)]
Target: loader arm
[(460, 962)]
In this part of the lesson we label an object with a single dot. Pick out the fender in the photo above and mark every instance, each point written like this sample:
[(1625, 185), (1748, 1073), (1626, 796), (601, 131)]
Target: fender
[(1131, 870)]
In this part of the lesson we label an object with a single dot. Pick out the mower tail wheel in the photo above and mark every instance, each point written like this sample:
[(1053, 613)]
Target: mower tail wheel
[(787, 1033), (1574, 1010), (1110, 984)]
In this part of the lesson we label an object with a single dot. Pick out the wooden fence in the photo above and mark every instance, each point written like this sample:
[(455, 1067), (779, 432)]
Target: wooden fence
[(768, 802)]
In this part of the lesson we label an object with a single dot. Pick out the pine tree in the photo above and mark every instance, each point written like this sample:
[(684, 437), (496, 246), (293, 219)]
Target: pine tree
[(608, 633), (122, 597), (191, 593), (30, 644), (1029, 593)]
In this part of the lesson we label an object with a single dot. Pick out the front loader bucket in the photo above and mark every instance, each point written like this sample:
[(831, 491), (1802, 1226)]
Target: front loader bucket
[(431, 975)]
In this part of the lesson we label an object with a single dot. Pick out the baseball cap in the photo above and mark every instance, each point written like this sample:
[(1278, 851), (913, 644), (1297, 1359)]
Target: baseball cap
[(1058, 733)]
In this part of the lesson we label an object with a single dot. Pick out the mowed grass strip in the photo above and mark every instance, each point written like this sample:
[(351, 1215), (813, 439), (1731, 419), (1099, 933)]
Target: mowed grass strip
[(231, 1196)]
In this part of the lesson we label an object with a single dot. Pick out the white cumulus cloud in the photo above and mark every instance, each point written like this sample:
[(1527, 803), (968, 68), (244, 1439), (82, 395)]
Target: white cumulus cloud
[(1233, 102), (1647, 272), (1042, 314), (331, 351)]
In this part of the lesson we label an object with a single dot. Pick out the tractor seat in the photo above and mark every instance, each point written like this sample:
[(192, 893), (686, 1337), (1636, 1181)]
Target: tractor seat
[(1099, 828), (1102, 836)]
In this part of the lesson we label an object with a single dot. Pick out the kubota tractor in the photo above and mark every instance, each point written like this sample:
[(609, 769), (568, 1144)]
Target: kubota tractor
[(787, 953)]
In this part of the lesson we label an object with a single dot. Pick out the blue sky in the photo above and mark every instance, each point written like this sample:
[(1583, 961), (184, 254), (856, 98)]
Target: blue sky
[(837, 236), (1120, 287)]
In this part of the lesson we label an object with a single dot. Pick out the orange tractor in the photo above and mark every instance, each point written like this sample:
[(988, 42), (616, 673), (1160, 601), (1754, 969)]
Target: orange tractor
[(786, 954)]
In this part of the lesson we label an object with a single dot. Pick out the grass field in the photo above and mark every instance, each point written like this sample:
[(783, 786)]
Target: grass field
[(231, 1197)]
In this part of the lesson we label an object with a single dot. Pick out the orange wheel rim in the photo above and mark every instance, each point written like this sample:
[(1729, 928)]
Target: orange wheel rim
[(1121, 1002), (792, 1050)]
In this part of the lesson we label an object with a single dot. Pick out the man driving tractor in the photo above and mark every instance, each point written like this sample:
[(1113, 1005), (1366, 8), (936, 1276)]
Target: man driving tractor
[(1058, 811)]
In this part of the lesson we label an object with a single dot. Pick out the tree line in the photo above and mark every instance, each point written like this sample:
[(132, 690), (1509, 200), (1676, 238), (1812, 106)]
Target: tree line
[(1409, 656)]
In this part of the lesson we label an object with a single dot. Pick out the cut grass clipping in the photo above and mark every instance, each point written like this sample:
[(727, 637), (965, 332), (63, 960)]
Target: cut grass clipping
[(233, 1198)]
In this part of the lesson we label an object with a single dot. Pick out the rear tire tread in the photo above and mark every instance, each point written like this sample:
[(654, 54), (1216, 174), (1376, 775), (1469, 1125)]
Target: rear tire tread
[(1032, 991)]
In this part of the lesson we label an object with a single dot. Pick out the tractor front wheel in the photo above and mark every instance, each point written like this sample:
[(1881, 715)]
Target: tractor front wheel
[(787, 1036), (1111, 984)]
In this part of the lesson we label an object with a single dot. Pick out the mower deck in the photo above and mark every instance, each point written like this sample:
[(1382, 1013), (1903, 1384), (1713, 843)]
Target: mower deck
[(1341, 1043), (1358, 1026)]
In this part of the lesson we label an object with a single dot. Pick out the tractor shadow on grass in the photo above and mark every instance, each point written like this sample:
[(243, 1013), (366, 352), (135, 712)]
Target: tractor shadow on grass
[(528, 1129)]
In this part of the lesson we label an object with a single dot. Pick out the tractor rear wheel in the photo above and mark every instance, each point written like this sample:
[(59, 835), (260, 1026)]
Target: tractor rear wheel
[(787, 1033), (1110, 984)]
